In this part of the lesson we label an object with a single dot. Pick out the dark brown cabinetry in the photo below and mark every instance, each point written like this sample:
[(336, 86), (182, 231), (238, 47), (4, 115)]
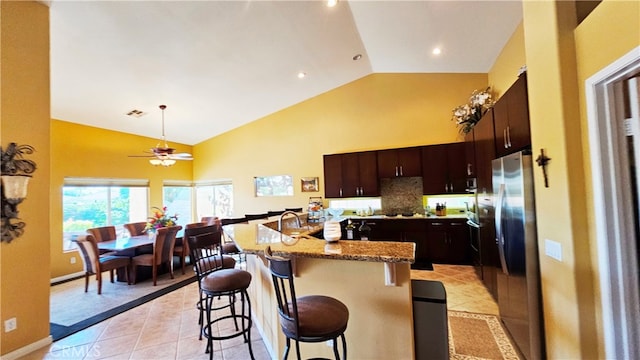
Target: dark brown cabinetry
[(485, 148), (470, 154), (403, 230), (333, 176), (351, 175), (399, 162), (448, 241), (511, 118), (444, 169), (485, 152)]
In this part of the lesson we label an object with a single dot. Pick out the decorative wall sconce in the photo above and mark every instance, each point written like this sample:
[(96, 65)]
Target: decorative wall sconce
[(16, 172)]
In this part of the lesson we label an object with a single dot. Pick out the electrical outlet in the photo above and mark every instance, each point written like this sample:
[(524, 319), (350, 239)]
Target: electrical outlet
[(10, 324), (553, 249), (73, 260)]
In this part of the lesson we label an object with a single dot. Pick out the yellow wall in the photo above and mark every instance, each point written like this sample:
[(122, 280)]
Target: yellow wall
[(83, 151), (558, 125), (24, 119), (612, 30), (375, 112), (505, 69)]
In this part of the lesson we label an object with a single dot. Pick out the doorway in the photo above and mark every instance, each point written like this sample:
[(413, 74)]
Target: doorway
[(613, 112)]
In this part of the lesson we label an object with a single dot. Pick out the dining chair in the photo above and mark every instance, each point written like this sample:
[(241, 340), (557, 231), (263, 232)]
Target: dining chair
[(310, 318), (103, 233), (275, 212), (229, 247), (162, 253), (209, 220), (181, 247), (95, 264), (136, 228), (256, 216)]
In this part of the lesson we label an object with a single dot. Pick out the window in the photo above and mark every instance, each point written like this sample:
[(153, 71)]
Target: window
[(178, 200), (88, 203), (215, 199)]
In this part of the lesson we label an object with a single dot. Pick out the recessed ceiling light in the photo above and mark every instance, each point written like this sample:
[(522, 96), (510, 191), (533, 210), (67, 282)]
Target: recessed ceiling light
[(302, 75), (332, 3), (436, 51), (357, 57)]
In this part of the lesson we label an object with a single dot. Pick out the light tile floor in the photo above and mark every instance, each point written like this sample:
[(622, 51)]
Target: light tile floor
[(166, 328)]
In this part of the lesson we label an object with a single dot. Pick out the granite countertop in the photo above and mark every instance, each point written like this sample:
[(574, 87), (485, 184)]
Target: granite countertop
[(254, 237), (399, 216)]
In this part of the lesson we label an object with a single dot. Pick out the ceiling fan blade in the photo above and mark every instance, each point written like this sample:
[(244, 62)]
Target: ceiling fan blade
[(186, 155), (144, 156)]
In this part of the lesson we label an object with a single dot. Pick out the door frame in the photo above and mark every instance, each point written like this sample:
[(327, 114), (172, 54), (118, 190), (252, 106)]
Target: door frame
[(613, 207)]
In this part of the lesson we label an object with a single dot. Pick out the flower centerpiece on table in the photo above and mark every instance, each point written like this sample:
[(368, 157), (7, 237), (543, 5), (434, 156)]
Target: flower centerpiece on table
[(467, 116), (160, 219)]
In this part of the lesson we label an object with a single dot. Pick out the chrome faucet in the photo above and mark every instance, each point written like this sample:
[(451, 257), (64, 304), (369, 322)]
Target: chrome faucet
[(287, 213)]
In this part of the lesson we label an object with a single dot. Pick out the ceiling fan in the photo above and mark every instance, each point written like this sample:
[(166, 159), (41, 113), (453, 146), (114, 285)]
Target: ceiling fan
[(162, 154)]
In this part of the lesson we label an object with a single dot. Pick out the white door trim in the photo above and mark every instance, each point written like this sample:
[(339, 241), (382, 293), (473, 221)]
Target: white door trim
[(613, 201)]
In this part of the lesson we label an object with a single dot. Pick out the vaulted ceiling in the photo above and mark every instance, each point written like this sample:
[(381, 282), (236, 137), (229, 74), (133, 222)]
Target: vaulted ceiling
[(220, 64)]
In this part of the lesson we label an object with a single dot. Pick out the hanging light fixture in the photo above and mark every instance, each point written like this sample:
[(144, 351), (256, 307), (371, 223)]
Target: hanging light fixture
[(162, 154), (163, 162)]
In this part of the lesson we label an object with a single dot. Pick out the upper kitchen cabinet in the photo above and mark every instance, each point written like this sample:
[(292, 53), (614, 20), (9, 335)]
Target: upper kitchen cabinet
[(444, 169), (485, 151), (351, 175), (470, 154), (511, 119), (333, 176), (399, 162)]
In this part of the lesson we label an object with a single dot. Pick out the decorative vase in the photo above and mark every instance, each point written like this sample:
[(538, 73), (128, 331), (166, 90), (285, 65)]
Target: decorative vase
[(332, 231)]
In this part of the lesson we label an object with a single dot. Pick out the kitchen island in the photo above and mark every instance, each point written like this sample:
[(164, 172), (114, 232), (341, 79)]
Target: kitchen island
[(371, 278)]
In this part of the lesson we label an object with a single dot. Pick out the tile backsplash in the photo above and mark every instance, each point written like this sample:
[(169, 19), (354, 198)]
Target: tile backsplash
[(401, 195)]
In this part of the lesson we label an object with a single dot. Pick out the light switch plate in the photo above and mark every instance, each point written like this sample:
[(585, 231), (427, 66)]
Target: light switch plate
[(553, 249)]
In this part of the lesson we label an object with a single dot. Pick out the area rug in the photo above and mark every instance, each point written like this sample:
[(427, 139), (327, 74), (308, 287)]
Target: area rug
[(478, 336), (72, 310)]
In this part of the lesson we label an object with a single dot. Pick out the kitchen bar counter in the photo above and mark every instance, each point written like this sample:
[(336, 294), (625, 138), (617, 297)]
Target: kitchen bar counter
[(354, 272), (254, 237)]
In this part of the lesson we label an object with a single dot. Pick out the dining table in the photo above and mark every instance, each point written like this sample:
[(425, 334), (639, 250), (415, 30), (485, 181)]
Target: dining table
[(126, 243), (132, 246)]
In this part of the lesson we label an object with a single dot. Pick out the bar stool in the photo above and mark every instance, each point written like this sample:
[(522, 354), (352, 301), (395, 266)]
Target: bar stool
[(311, 318), (214, 282)]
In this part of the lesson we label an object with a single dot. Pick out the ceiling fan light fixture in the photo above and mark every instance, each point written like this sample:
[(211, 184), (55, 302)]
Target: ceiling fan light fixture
[(163, 162)]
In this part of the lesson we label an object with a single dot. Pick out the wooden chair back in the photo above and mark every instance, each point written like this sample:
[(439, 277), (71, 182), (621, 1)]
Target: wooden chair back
[(164, 243), (103, 233), (136, 228)]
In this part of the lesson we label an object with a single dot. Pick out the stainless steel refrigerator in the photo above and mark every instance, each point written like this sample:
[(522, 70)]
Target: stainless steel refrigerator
[(518, 283)]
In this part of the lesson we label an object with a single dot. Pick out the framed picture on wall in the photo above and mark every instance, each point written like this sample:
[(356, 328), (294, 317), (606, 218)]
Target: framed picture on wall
[(277, 185), (309, 184)]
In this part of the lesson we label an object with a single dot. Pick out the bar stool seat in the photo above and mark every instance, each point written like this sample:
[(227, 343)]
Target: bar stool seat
[(310, 318), (226, 280), (313, 319), (216, 282)]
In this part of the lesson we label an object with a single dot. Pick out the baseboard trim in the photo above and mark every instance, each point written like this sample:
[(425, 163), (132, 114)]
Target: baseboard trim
[(65, 278), (16, 354)]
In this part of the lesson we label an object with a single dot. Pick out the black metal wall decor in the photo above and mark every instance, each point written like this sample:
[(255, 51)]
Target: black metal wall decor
[(543, 161), (16, 172)]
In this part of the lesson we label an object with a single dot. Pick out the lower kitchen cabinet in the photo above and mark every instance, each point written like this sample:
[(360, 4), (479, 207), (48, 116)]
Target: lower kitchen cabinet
[(403, 230), (448, 241)]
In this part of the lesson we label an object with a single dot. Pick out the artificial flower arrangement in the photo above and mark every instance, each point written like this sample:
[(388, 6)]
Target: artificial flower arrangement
[(467, 116), (160, 219)]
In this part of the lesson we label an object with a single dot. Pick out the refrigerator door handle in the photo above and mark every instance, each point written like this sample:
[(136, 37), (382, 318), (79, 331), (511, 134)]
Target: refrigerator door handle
[(499, 232)]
